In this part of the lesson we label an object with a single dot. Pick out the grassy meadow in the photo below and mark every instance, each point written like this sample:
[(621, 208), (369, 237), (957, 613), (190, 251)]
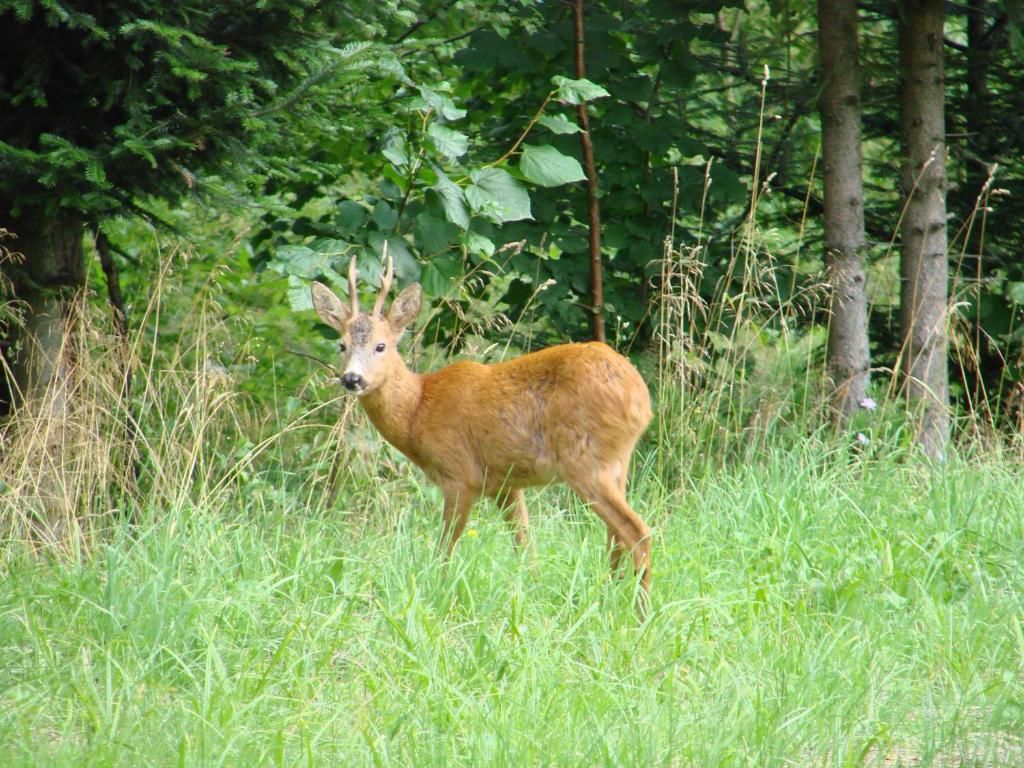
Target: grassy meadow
[(263, 590), (806, 611)]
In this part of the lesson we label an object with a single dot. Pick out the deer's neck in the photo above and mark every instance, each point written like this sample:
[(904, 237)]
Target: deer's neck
[(392, 406)]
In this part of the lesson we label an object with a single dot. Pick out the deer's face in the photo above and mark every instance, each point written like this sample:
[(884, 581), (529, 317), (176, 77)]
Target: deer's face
[(368, 344), (367, 349)]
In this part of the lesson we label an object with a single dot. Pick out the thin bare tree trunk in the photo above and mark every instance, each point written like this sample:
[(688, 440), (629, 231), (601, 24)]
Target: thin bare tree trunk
[(593, 209), (840, 108), (923, 265)]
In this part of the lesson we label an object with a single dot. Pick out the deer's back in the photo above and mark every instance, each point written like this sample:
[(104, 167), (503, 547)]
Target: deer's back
[(522, 421)]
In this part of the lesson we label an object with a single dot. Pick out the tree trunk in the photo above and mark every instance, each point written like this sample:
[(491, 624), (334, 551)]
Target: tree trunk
[(49, 283), (593, 209), (923, 265), (840, 108), (53, 271)]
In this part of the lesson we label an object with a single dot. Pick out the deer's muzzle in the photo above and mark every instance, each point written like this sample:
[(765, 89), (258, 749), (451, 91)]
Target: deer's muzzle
[(353, 382)]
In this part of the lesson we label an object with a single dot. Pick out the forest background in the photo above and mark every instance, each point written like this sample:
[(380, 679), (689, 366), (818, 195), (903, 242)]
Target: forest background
[(456, 133)]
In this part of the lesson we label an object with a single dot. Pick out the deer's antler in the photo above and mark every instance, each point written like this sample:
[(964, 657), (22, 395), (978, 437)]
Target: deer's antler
[(385, 282), (353, 290)]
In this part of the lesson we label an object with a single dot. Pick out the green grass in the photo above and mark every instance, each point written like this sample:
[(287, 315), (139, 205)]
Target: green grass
[(810, 610)]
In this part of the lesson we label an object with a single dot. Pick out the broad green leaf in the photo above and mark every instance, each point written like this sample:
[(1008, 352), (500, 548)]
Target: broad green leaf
[(452, 199), (478, 244), (495, 194), (547, 167), (1016, 292), (335, 280), (384, 216), (283, 256), (434, 235), (449, 143), (558, 124), (300, 261), (299, 294), (396, 150), (440, 273), (433, 282), (351, 216), (438, 103), (577, 91), (329, 246)]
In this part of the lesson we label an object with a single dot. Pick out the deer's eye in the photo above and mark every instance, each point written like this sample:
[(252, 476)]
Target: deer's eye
[(380, 347), (341, 346)]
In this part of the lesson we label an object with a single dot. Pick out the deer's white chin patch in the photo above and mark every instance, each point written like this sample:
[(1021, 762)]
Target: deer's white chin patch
[(358, 390)]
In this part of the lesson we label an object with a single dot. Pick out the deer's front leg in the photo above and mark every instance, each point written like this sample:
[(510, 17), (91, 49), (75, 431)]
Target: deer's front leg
[(458, 500), (513, 507)]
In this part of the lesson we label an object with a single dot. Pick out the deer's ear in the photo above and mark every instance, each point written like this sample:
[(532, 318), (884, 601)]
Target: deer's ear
[(405, 307), (331, 309)]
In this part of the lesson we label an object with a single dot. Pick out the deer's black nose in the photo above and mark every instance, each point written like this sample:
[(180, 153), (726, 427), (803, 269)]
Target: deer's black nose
[(353, 382)]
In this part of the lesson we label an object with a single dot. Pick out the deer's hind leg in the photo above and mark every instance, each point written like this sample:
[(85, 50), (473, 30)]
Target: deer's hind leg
[(616, 549), (627, 531)]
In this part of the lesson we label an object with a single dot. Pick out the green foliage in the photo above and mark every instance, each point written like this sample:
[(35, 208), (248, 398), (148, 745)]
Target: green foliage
[(672, 94), (448, 131), (438, 200), (136, 99), (456, 206)]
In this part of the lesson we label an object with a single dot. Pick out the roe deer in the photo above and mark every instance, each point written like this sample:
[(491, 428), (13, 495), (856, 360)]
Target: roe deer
[(572, 412)]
